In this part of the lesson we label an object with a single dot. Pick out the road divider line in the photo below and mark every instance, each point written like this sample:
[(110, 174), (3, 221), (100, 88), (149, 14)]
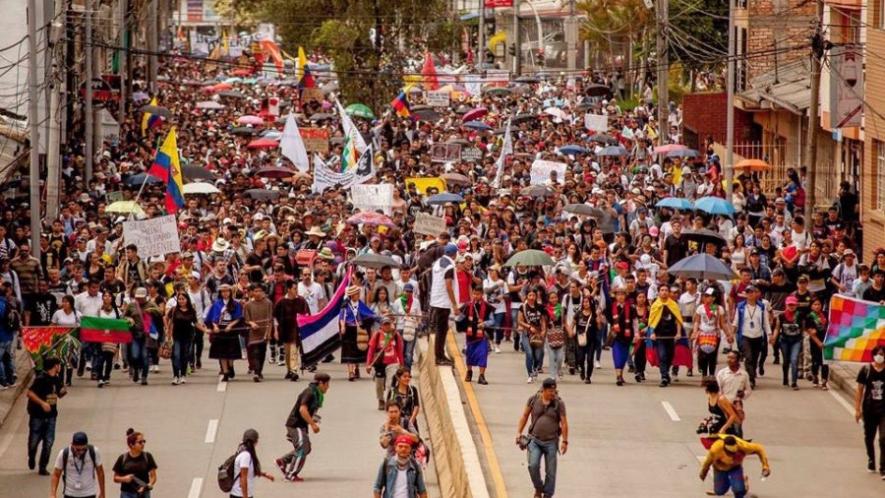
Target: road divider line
[(211, 430), (841, 400), (670, 411), (222, 386), (196, 487)]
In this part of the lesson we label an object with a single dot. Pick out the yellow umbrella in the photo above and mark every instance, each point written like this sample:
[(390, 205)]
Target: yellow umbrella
[(125, 207)]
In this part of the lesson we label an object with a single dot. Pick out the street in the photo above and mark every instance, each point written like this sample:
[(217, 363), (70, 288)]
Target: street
[(191, 429), (640, 440)]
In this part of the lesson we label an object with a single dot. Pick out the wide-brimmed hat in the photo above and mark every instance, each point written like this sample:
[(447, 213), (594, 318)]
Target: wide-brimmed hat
[(353, 290), (220, 245), (326, 253), (315, 230)]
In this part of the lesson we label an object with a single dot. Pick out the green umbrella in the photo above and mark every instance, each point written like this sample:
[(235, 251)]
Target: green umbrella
[(360, 111), (530, 257)]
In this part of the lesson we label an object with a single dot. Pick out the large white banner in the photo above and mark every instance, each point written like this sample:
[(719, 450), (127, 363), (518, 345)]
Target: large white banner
[(596, 122), (428, 224), (438, 99), (541, 172), (373, 197), (153, 237)]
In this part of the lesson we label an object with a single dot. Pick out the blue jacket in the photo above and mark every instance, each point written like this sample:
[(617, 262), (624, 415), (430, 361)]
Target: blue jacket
[(387, 477), (6, 335), (740, 314), (213, 316)]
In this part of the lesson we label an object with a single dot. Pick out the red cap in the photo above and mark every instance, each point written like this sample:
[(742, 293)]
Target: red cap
[(403, 439)]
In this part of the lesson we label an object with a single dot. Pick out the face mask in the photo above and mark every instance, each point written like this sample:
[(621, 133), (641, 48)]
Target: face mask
[(879, 359)]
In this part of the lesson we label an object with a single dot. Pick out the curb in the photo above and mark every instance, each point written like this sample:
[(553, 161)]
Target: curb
[(25, 371), (843, 376)]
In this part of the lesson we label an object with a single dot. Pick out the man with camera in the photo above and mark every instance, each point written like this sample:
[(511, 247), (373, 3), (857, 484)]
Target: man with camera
[(549, 423)]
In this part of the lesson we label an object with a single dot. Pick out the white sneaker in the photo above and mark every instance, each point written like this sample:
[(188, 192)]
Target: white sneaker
[(155, 368), (497, 349), (182, 380), (597, 364), (174, 381), (530, 380)]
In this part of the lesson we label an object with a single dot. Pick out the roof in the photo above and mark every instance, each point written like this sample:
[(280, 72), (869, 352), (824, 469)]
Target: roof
[(787, 88)]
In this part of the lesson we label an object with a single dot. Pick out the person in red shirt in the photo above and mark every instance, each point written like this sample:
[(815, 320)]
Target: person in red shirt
[(385, 355)]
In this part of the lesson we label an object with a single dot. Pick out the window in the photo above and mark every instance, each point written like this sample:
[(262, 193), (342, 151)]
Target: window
[(879, 183)]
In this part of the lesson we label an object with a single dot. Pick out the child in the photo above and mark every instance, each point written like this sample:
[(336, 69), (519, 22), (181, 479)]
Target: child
[(862, 283)]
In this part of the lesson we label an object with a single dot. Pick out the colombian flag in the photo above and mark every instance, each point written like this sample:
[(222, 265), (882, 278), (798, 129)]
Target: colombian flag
[(307, 80), (167, 167), (401, 105), (149, 120), (302, 63)]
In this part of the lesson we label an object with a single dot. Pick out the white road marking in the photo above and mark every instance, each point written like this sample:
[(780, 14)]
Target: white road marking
[(670, 411), (211, 430), (841, 400), (196, 487), (222, 386)]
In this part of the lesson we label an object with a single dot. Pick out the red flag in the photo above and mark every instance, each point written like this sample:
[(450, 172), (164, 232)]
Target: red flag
[(429, 73)]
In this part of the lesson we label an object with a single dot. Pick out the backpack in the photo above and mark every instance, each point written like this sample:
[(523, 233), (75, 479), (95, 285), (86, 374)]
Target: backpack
[(226, 477), (64, 464)]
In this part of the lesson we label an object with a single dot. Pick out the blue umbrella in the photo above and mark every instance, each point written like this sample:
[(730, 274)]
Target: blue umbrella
[(612, 151), (714, 205), (701, 266), (675, 203), (477, 125), (137, 180), (444, 198), (573, 150), (272, 134), (683, 153)]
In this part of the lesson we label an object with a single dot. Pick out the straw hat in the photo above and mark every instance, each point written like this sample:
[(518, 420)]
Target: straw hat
[(353, 290), (220, 245), (315, 230)]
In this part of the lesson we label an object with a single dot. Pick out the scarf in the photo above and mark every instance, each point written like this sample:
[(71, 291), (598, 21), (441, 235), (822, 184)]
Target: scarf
[(657, 310), (406, 301), (317, 394)]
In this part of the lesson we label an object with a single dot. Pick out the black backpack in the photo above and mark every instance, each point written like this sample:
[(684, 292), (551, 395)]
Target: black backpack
[(64, 463), (226, 477)]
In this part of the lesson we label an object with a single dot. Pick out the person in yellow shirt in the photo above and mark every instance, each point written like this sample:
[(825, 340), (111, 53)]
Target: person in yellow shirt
[(726, 456)]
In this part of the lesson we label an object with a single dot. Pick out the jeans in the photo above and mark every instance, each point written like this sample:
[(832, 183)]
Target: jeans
[(196, 350), (790, 349), (873, 422), (556, 358), (600, 342), (139, 359), (752, 348), (550, 451), (103, 363), (409, 352), (584, 354), (180, 351), (439, 319), (733, 479), (41, 430), (7, 368), (293, 461), (498, 333), (665, 349), (817, 364), (534, 357)]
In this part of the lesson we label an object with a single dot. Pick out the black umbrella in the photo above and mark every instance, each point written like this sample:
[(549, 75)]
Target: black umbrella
[(375, 261), (245, 131), (321, 116), (231, 94), (528, 79), (425, 113), (261, 194), (536, 191), (701, 266), (194, 172), (604, 139), (597, 90), (156, 110), (704, 236), (523, 118)]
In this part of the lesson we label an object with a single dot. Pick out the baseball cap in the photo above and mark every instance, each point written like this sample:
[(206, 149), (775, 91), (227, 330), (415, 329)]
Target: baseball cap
[(549, 383), (80, 438), (451, 249), (752, 288), (792, 300)]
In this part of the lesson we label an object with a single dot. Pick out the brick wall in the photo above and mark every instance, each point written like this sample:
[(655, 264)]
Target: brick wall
[(873, 216), (704, 114), (787, 20)]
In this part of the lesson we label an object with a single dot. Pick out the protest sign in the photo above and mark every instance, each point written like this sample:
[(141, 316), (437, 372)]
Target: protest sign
[(443, 153), (373, 197), (315, 139), (541, 171), (596, 122), (427, 224), (438, 99), (471, 154), (423, 183), (153, 237)]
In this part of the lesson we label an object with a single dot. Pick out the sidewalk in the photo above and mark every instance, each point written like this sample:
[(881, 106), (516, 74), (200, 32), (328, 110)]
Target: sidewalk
[(7, 398), (843, 375)]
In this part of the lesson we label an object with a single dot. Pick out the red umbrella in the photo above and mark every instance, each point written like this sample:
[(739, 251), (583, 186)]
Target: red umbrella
[(371, 218), (263, 143), (242, 72), (474, 114), (275, 172)]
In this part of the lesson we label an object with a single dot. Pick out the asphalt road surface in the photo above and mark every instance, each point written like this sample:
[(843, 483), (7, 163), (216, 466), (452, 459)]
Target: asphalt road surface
[(191, 429), (639, 440)]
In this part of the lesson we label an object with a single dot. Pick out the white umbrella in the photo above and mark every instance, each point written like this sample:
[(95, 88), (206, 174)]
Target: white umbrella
[(200, 188), (209, 104), (555, 112)]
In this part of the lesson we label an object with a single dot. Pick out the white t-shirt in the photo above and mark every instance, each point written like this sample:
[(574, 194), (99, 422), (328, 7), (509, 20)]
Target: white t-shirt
[(439, 295), (312, 294), (81, 479), (71, 319), (87, 305), (401, 486), (243, 461)]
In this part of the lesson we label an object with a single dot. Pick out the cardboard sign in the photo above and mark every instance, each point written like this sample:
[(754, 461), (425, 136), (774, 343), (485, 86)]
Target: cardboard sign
[(153, 237), (427, 224), (471, 154), (315, 139), (443, 153), (541, 169), (113, 196), (438, 99), (596, 122), (373, 197), (312, 95), (423, 183)]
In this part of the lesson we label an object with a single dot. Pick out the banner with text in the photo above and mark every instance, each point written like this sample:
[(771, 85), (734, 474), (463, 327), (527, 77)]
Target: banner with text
[(315, 139), (373, 197), (427, 224), (438, 99), (153, 237), (596, 122), (541, 172)]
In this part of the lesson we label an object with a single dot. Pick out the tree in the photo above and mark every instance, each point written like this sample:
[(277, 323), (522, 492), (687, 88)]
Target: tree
[(369, 42)]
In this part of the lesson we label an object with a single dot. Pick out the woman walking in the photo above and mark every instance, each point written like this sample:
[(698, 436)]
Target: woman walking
[(104, 363), (223, 320), (247, 467), (585, 329), (135, 470), (182, 322), (620, 317), (816, 328), (869, 405), (354, 316), (639, 342), (709, 322), (533, 331), (406, 396), (66, 316), (555, 335), (789, 329)]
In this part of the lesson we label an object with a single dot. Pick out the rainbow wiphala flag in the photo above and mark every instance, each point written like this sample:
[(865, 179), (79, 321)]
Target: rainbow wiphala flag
[(856, 327)]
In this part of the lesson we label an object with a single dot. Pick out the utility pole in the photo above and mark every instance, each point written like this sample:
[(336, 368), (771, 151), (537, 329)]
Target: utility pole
[(56, 84), (817, 51), (89, 116), (571, 38), (481, 37), (729, 122), (34, 125), (663, 69), (121, 55), (517, 58), (152, 45)]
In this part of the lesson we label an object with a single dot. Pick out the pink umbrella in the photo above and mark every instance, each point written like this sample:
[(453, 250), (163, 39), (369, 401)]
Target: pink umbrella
[(371, 218), (474, 114), (666, 149), (250, 120), (263, 143)]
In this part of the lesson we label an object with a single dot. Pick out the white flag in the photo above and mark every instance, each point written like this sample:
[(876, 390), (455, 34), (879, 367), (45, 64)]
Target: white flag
[(351, 130), (365, 167), (292, 145), (506, 148)]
